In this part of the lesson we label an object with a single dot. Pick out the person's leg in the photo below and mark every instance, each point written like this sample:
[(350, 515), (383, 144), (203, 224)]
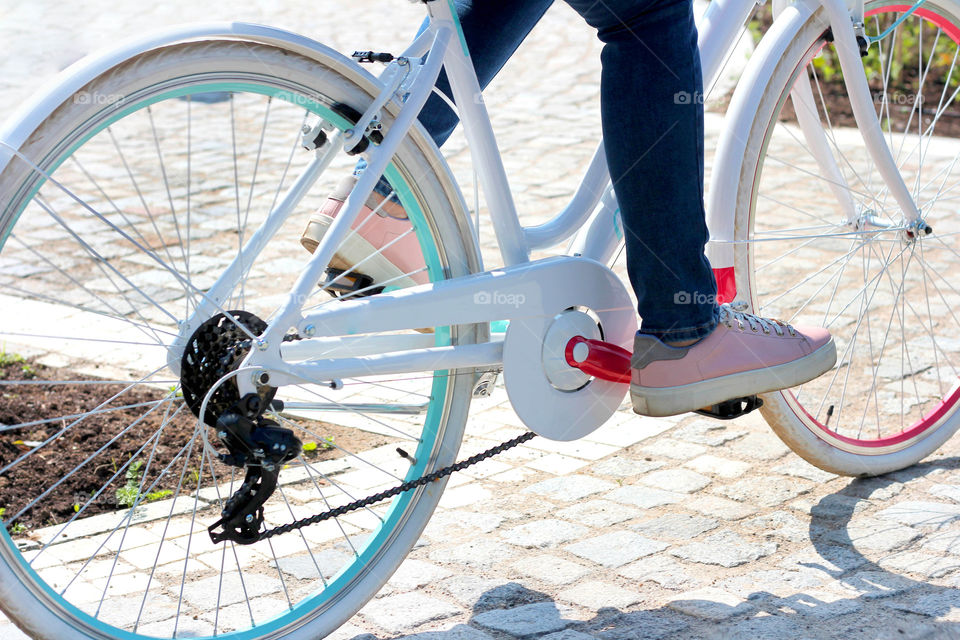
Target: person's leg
[(653, 129), (690, 352)]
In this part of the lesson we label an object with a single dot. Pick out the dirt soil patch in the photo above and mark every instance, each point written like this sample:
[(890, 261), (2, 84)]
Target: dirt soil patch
[(69, 446)]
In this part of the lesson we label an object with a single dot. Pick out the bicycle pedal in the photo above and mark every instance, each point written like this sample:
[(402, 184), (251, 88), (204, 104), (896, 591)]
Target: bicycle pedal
[(339, 283), (372, 56), (730, 409)]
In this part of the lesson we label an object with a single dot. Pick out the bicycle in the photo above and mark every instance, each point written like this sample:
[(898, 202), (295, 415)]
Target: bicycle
[(107, 161)]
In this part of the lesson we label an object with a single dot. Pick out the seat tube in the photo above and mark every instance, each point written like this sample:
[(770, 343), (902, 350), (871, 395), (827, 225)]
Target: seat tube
[(480, 137)]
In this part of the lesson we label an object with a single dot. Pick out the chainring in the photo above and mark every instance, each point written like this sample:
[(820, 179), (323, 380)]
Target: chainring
[(215, 349)]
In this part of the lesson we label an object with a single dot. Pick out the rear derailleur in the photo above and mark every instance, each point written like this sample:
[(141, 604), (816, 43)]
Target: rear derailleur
[(261, 447)]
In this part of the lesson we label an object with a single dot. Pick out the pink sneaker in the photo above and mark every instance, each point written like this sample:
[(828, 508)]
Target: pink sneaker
[(399, 264), (743, 356)]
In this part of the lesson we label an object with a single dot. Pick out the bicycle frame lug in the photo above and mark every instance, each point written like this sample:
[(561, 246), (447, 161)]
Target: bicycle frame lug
[(375, 125), (483, 388)]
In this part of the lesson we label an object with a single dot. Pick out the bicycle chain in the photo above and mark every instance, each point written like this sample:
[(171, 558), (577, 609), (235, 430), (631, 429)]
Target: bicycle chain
[(401, 488)]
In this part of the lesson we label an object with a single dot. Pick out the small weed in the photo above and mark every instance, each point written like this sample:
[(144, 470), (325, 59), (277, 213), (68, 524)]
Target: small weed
[(324, 445), (16, 527), (8, 359), (129, 494)]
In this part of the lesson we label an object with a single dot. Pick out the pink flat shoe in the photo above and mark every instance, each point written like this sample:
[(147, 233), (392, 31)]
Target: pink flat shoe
[(743, 356), (383, 245)]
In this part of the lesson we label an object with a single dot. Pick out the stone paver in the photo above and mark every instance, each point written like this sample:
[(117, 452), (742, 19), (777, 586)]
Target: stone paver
[(664, 570), (675, 526), (406, 611), (570, 488), (682, 480), (598, 595), (644, 497), (597, 513), (543, 533), (726, 548), (722, 467), (709, 603), (551, 569), (647, 529), (615, 549), (526, 621), (459, 632)]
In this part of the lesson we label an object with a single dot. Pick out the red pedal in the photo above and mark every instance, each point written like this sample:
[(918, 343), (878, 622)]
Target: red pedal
[(600, 359)]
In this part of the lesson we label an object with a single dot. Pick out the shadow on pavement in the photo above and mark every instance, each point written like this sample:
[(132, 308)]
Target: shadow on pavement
[(861, 596)]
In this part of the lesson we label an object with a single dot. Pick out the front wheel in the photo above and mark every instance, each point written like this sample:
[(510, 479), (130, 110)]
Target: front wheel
[(885, 291), (160, 171)]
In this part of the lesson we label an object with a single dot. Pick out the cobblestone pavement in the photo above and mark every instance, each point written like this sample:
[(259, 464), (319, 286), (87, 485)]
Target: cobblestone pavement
[(648, 528)]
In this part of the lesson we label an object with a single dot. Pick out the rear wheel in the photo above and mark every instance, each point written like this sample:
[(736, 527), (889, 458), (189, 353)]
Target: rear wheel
[(159, 171), (885, 292)]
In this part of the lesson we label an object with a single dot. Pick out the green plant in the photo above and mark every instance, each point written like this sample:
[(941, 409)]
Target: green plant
[(324, 445), (129, 494), (8, 359), (16, 527), (888, 58)]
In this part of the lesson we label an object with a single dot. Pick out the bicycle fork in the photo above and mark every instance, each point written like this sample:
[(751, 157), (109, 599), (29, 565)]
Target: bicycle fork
[(843, 24)]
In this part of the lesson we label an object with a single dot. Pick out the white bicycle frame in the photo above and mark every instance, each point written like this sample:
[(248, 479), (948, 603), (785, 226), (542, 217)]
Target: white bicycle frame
[(548, 286)]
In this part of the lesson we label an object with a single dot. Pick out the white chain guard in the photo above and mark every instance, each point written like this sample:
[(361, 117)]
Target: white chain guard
[(550, 412)]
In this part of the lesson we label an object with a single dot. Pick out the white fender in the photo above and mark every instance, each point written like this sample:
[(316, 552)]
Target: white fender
[(732, 146), (60, 88)]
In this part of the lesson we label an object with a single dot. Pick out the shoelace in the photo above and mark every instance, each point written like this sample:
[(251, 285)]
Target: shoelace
[(729, 315)]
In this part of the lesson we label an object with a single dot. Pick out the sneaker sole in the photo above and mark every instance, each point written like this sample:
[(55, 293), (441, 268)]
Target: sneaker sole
[(670, 401), (353, 250)]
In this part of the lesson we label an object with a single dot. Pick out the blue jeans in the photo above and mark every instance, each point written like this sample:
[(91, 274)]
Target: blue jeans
[(652, 115)]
